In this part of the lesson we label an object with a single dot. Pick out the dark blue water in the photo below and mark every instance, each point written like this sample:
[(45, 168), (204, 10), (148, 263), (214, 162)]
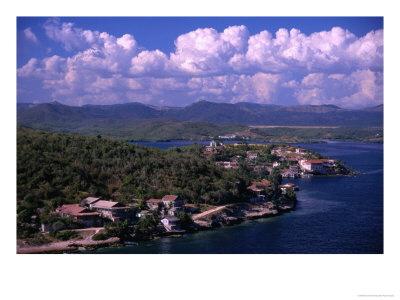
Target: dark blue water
[(333, 215)]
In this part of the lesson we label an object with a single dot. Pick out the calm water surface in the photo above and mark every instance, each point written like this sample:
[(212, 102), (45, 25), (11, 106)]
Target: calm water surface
[(333, 215)]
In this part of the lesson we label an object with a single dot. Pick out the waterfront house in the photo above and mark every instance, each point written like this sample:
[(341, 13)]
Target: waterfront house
[(80, 214), (288, 174), (115, 211), (288, 185), (314, 165), (258, 191), (327, 162), (294, 169), (171, 223), (172, 201)]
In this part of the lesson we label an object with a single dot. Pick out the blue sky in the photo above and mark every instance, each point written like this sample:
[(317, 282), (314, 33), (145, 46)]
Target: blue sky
[(179, 60)]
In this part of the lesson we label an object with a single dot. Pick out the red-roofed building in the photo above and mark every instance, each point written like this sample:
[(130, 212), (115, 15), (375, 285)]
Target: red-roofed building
[(154, 203), (314, 165), (258, 190), (172, 200), (301, 151), (112, 210), (80, 214)]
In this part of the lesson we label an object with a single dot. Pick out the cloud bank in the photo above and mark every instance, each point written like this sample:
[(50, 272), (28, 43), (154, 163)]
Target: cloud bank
[(327, 67)]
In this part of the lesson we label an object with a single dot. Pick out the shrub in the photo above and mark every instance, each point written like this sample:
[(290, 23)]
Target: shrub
[(100, 236)]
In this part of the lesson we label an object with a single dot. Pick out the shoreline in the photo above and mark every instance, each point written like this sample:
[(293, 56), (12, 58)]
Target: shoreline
[(217, 220), (225, 215)]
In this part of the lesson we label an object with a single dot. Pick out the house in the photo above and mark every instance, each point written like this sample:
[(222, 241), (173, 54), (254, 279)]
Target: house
[(276, 164), (213, 143), (301, 151), (154, 204), (80, 215), (252, 155), (209, 149), (112, 210), (288, 185), (289, 149), (227, 164), (288, 174), (258, 191), (276, 151), (314, 165), (174, 211), (234, 165), (328, 162), (172, 201), (171, 223)]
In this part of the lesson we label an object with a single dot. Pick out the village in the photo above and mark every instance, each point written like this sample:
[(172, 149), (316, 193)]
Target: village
[(292, 162)]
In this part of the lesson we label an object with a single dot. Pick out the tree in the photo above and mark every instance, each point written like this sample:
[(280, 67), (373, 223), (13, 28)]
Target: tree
[(118, 229), (291, 194), (275, 178)]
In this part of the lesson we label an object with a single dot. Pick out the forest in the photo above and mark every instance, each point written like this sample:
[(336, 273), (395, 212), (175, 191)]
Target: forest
[(55, 169)]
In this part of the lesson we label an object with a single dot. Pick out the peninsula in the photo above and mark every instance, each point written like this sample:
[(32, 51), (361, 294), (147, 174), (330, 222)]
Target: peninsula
[(76, 192)]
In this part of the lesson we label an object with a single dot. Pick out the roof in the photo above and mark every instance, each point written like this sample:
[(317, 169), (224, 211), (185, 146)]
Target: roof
[(90, 200), (314, 161), (258, 186), (169, 198), (105, 204), (71, 209), (152, 200)]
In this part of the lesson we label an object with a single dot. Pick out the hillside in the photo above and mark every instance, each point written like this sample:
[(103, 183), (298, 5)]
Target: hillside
[(54, 169), (200, 120)]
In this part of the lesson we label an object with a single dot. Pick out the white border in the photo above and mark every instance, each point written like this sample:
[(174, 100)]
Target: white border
[(198, 276)]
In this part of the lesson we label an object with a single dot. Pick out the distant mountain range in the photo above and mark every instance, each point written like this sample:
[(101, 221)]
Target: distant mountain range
[(55, 115)]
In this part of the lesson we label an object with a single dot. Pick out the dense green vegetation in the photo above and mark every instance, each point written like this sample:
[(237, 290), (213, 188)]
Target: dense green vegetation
[(307, 135), (53, 169)]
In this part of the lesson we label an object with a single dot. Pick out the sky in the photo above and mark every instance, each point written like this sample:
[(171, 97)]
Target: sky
[(175, 61)]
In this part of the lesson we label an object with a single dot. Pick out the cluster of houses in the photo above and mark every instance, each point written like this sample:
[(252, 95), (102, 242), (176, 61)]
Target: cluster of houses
[(258, 190), (94, 212)]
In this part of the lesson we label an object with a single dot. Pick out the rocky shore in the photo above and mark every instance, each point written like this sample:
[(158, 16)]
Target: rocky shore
[(72, 246), (225, 215), (236, 213)]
